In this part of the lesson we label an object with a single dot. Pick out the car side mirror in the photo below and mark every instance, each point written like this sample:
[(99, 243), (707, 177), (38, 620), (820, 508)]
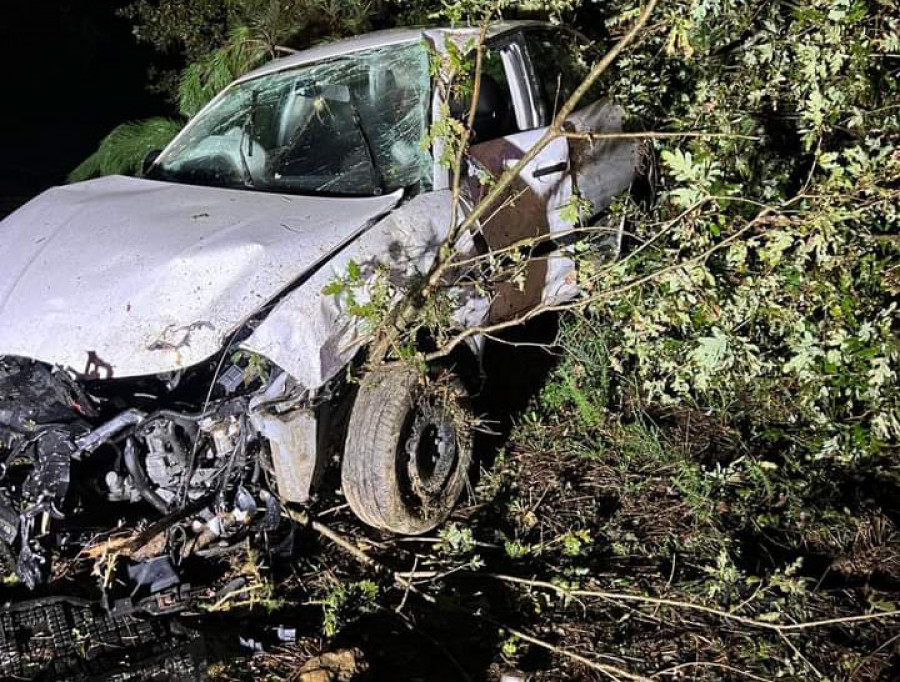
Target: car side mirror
[(149, 159)]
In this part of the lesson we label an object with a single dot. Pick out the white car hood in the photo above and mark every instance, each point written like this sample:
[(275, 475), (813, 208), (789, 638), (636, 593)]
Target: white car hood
[(122, 277)]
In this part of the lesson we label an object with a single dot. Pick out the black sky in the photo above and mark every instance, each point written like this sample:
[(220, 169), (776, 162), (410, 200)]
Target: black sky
[(71, 72)]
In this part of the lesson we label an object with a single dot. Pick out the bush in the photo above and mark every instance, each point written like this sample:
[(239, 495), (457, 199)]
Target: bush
[(783, 319)]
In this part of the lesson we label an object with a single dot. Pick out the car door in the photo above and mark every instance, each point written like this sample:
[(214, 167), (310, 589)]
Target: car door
[(508, 124)]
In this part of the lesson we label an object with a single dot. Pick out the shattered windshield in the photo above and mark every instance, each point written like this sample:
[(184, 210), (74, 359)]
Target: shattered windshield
[(352, 125)]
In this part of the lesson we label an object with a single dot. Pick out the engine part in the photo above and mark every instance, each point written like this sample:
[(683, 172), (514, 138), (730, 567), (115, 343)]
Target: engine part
[(9, 522), (64, 451), (139, 478), (166, 461), (293, 442), (156, 574), (33, 395), (93, 440)]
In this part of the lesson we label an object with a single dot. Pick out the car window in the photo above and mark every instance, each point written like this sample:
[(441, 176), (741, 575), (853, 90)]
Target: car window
[(352, 125), (495, 116), (560, 60), (507, 102)]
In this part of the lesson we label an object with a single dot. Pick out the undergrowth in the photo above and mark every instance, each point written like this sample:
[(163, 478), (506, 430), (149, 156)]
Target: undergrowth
[(597, 491)]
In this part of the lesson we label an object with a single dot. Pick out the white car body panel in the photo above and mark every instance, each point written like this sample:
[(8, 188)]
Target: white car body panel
[(309, 334), (124, 277)]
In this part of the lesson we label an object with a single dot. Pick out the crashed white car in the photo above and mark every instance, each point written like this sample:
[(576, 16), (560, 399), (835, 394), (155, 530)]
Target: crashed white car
[(166, 346)]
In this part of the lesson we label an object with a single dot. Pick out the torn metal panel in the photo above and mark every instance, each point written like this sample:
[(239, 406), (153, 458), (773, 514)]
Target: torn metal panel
[(148, 277), (293, 443), (530, 207), (603, 168)]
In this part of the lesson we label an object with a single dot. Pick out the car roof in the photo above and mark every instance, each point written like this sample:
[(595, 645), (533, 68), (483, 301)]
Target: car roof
[(375, 39)]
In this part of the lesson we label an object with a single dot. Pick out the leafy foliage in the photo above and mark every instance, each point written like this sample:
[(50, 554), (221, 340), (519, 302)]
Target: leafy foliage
[(741, 412), (198, 28), (206, 77), (123, 150), (345, 602), (790, 328)]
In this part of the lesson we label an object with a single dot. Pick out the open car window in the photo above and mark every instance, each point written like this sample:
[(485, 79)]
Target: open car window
[(495, 114), (560, 60), (352, 125), (506, 102)]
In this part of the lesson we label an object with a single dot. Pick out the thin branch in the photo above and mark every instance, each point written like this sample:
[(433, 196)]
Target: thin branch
[(470, 117), (453, 342), (553, 132), (691, 261), (800, 655), (665, 228), (610, 671), (675, 603), (398, 317), (708, 664), (363, 558), (651, 135), (405, 311), (527, 242)]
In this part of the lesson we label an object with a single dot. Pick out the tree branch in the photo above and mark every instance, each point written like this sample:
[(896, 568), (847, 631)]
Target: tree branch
[(652, 135), (451, 344)]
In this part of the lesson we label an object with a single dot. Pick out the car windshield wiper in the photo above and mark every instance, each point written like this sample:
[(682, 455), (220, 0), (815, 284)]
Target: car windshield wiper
[(377, 180), (247, 137)]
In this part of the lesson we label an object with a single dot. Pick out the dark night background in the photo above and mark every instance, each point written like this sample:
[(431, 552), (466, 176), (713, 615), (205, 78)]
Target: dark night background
[(72, 72)]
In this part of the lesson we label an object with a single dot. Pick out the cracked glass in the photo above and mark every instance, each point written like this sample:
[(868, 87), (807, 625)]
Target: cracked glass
[(348, 126)]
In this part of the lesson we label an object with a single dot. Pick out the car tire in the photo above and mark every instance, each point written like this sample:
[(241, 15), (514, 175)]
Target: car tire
[(408, 450)]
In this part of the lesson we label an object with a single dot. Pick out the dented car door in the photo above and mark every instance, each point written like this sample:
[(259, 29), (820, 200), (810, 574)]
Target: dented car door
[(508, 124)]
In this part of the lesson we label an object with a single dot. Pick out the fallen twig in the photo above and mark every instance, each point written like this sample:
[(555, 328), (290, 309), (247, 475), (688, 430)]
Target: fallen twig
[(675, 669), (675, 603), (365, 559), (612, 671)]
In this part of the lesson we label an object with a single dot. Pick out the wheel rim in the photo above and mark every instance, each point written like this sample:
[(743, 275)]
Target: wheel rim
[(432, 454)]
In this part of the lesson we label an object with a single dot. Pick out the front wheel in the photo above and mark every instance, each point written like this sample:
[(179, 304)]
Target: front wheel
[(408, 450)]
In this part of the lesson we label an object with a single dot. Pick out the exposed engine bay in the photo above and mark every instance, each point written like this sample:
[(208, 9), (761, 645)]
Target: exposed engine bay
[(156, 474)]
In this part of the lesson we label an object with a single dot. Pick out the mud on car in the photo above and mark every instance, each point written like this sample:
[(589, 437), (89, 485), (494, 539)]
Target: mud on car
[(170, 359)]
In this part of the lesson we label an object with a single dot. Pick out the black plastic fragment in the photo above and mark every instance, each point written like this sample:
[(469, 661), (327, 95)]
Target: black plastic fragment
[(155, 574), (9, 523), (72, 640)]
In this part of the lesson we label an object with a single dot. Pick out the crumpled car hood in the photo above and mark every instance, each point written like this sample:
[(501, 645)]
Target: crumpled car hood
[(122, 277)]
